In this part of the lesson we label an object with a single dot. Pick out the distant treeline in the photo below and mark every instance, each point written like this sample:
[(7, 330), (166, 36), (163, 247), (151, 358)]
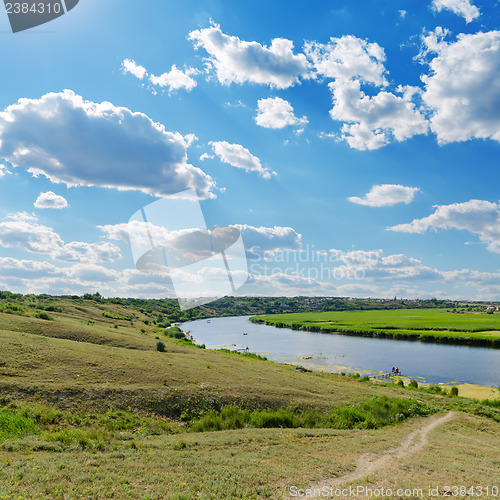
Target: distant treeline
[(166, 311)]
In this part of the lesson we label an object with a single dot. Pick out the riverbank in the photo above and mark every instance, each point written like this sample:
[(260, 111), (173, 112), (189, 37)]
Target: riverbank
[(425, 325), (307, 363), (470, 391)]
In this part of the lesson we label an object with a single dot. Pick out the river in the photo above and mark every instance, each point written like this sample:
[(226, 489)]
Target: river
[(435, 363)]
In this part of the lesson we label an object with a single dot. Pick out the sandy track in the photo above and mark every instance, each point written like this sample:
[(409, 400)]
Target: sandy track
[(369, 463)]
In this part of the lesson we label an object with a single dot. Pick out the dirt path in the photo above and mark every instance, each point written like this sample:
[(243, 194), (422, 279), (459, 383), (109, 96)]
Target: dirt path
[(369, 463)]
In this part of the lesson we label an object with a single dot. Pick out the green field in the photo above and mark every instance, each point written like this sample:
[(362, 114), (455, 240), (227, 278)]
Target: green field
[(89, 408), (428, 325)]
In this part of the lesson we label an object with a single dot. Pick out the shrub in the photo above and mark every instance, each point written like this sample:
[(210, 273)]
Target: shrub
[(179, 445), (160, 346), (454, 391), (401, 383), (413, 384), (174, 333), (44, 315), (435, 389)]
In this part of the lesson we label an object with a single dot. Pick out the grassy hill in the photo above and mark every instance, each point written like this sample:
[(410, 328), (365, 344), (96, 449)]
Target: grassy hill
[(91, 409)]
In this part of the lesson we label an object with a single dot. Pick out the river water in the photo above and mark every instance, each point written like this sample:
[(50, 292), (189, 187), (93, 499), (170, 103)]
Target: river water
[(433, 363)]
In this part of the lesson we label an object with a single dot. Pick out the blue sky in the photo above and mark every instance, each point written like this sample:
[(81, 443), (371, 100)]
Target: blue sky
[(367, 131)]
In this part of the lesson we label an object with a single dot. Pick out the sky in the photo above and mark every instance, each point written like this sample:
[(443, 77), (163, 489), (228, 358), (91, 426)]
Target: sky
[(354, 145)]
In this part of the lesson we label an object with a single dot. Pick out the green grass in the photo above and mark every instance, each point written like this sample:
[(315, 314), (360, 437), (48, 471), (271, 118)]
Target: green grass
[(426, 325), (15, 424), (374, 413), (250, 463)]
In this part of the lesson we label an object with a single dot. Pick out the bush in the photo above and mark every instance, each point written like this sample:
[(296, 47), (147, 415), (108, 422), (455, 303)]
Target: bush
[(44, 315), (435, 389), (413, 384), (454, 391), (160, 346), (401, 383), (174, 333)]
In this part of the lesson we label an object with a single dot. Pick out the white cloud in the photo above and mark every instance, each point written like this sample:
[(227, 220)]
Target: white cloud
[(431, 42), (238, 61), (78, 142), (50, 200), (240, 157), (206, 156), (10, 267), (372, 266), (175, 79), (3, 170), (130, 66), (22, 231), (279, 284), (403, 13), (479, 217), (257, 240), (143, 232), (385, 195), (462, 8), (90, 272), (360, 273), (347, 58), (372, 121), (463, 89), (79, 251), (266, 241), (27, 276), (275, 112)]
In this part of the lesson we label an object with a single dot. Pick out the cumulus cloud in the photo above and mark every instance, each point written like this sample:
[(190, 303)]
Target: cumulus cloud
[(347, 58), (3, 170), (175, 79), (23, 231), (462, 8), (266, 241), (78, 142), (279, 284), (240, 157), (79, 251), (29, 269), (372, 121), (479, 217), (50, 200), (372, 265), (28, 276), (257, 240), (462, 90), (238, 61), (385, 195), (275, 112), (130, 66)]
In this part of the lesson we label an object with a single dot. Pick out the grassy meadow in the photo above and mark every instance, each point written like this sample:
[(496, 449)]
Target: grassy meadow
[(90, 408), (427, 325)]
